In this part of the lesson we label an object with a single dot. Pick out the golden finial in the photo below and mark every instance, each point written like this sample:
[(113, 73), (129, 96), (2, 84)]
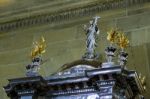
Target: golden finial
[(112, 34), (122, 40), (42, 45), (35, 49), (38, 48)]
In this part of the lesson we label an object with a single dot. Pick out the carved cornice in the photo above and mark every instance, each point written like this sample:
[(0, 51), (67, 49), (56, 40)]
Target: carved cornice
[(67, 14)]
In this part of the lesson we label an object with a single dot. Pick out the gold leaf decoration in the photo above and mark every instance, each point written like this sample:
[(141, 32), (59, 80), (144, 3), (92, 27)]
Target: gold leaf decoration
[(117, 37), (38, 48), (112, 35), (122, 40), (42, 46)]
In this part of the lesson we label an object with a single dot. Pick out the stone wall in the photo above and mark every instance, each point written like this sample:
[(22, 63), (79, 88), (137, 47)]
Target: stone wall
[(66, 43)]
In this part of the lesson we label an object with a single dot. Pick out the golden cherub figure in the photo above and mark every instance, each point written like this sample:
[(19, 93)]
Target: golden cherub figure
[(122, 40), (112, 35), (38, 48)]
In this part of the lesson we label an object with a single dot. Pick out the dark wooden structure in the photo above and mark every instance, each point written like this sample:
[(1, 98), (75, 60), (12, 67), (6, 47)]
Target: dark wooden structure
[(80, 80)]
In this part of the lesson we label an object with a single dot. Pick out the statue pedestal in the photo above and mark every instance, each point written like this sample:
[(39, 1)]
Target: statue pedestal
[(107, 64)]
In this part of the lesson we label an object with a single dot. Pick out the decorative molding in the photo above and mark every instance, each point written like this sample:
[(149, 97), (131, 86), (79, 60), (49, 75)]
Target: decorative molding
[(67, 14)]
